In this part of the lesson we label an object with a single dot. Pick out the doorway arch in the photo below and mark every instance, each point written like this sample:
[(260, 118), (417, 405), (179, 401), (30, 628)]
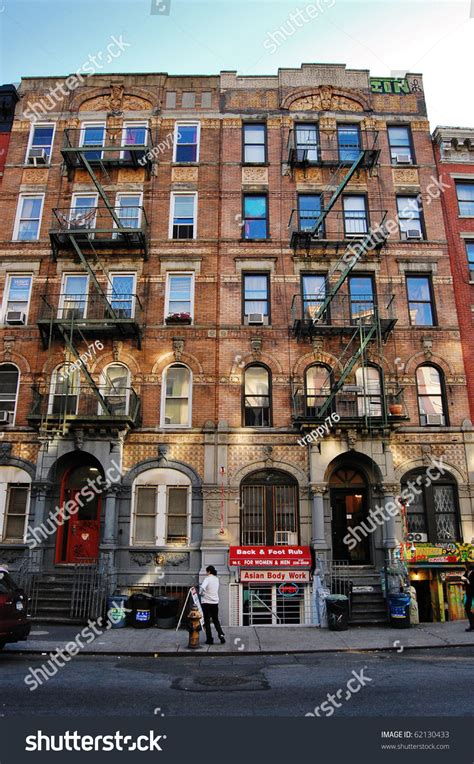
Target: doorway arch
[(350, 502)]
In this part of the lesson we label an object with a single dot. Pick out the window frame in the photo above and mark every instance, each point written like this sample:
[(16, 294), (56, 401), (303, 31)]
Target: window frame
[(470, 243), (161, 512), (92, 123), (119, 195), (364, 399), (265, 143), (16, 226), (442, 396), (421, 216), (63, 293), (431, 301), (15, 408), (458, 182), (127, 123), (103, 387), (269, 396), (31, 136), (187, 123), (174, 196), (86, 195), (361, 275), (8, 278), (342, 125), (316, 274), (266, 275), (110, 290), (301, 195), (301, 147), (307, 395), (169, 276), (427, 494), (52, 395), (410, 142), (356, 235), (5, 513), (188, 425), (257, 194)]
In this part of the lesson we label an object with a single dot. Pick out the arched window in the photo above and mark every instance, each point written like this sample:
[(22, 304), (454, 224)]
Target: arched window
[(176, 396), (257, 400), (269, 509), (431, 501), (318, 380), (9, 377), (431, 398), (369, 399), (64, 391), (115, 388), (161, 508)]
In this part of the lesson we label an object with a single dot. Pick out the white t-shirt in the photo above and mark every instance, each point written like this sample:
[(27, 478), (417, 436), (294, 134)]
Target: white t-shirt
[(210, 590)]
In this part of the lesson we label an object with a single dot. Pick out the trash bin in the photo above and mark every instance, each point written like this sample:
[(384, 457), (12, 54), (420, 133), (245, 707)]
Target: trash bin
[(167, 609), (399, 607), (337, 606), (141, 610), (116, 610)]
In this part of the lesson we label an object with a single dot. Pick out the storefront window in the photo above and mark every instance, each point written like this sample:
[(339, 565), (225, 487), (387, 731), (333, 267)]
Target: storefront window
[(269, 509), (432, 510)]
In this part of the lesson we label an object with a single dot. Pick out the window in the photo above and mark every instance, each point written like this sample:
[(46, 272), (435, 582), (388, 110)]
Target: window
[(369, 396), (269, 509), (188, 100), (28, 218), (399, 139), (16, 512), (313, 292), (17, 299), (64, 391), (431, 398), (470, 258), (254, 144), (309, 209), (432, 510), (9, 379), (255, 217), (183, 216), (162, 508), (134, 134), (93, 134), (307, 142), (465, 193), (179, 294), (409, 217), (176, 396), (206, 99), (362, 303), (83, 211), (420, 301), (186, 143), (348, 140), (318, 381), (122, 294), (115, 389), (40, 144), (355, 215), (256, 298), (129, 210), (257, 411), (74, 293), (171, 99)]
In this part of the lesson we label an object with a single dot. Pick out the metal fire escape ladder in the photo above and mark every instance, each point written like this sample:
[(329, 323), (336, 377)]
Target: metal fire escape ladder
[(84, 370), (340, 188)]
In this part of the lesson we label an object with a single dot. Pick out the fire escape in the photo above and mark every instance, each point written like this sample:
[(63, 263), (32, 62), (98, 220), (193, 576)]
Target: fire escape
[(98, 310), (332, 312)]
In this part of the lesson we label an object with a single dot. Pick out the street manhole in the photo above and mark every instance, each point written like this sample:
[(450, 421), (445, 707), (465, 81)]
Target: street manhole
[(221, 683)]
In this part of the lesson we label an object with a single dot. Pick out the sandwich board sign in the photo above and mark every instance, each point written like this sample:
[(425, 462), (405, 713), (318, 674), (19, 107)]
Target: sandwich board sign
[(193, 593)]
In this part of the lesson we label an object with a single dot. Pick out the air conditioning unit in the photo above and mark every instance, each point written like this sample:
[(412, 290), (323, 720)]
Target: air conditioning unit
[(255, 318), (413, 233), (403, 158), (5, 417), (471, 275), (286, 538), (421, 538), (15, 317), (435, 419), (37, 156)]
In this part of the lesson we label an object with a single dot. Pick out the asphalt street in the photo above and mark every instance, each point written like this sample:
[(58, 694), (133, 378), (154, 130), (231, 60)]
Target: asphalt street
[(412, 683)]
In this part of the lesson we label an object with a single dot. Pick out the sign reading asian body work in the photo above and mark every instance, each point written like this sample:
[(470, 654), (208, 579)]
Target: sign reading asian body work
[(270, 556)]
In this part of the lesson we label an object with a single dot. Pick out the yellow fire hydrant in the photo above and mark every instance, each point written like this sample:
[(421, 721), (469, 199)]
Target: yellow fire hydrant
[(194, 626)]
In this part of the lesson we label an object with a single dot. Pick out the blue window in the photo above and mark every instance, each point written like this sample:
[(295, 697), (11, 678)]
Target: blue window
[(187, 143), (348, 139), (255, 217), (309, 209), (465, 192), (93, 135), (420, 305)]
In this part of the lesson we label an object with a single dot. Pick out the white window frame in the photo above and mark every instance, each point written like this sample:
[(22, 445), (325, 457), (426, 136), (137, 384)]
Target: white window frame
[(10, 363), (51, 394), (187, 425), (132, 123), (84, 195), (103, 384), (174, 196), (171, 479), (112, 275), (92, 123), (13, 476), (139, 194), (6, 293), (16, 226), (30, 139), (169, 275), (187, 123), (64, 278)]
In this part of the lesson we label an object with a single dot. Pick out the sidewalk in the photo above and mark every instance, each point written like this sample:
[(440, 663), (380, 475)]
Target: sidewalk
[(45, 638)]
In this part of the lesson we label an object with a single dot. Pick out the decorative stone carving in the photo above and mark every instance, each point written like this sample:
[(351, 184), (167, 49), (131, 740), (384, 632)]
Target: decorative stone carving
[(407, 176), (351, 439), (256, 347), (162, 452), (267, 455), (327, 125), (391, 489), (116, 103), (184, 175), (317, 344), (78, 436), (142, 558), (8, 346), (117, 346), (311, 174), (116, 99), (427, 347), (426, 452), (178, 347), (35, 175), (175, 559), (319, 488), (255, 175), (130, 175), (325, 99), (5, 452), (213, 512)]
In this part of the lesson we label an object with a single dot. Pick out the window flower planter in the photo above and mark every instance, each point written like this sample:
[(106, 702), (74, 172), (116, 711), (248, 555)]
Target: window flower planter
[(178, 318)]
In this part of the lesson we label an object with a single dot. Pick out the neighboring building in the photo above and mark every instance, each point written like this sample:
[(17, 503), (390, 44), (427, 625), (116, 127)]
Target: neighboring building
[(146, 217), (8, 101)]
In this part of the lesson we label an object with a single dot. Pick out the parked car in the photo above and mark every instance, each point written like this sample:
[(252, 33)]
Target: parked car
[(14, 623)]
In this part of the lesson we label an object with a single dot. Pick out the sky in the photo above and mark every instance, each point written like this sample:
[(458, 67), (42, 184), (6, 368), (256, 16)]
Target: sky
[(435, 38)]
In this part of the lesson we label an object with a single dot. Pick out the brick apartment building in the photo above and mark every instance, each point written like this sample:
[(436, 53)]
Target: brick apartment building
[(208, 241)]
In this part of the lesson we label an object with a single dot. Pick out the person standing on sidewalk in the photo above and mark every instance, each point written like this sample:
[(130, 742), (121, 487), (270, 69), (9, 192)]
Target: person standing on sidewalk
[(210, 604), (468, 581)]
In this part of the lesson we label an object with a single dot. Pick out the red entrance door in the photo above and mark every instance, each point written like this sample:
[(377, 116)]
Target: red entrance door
[(79, 534)]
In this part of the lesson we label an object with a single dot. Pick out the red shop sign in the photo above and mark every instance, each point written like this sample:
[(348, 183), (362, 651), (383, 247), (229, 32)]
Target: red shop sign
[(270, 556)]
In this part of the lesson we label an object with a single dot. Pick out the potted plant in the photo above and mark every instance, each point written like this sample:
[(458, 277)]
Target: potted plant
[(178, 318)]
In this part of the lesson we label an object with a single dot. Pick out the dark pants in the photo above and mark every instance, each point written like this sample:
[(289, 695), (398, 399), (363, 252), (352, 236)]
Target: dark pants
[(211, 613), (469, 611)]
